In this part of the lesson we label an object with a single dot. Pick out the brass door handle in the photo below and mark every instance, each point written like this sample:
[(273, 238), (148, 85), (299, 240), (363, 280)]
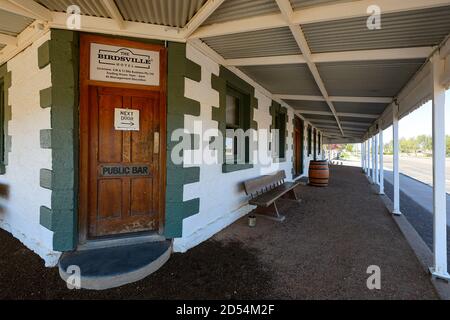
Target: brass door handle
[(156, 143)]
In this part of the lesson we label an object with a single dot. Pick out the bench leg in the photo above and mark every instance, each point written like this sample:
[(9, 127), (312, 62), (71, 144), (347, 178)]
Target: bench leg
[(268, 213), (291, 196)]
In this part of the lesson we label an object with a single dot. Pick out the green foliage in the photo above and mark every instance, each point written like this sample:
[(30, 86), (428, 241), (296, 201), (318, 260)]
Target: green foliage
[(420, 144)]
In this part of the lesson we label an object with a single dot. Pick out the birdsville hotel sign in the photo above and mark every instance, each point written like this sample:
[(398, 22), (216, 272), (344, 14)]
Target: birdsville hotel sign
[(124, 65)]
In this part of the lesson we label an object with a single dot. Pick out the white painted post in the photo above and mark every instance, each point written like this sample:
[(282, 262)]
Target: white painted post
[(381, 162), (439, 270), (368, 157), (396, 186), (373, 160), (362, 156), (375, 147)]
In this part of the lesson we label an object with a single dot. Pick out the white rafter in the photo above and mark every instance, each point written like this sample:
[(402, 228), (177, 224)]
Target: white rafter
[(39, 11), (109, 26), (353, 9), (286, 11), (114, 12), (205, 11), (340, 114), (361, 55), (334, 98)]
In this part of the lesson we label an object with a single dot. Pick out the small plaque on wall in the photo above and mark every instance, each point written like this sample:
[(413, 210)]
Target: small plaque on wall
[(124, 65)]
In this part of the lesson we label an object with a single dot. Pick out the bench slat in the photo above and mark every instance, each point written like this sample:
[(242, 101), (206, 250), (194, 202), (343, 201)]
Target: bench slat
[(266, 199), (262, 183)]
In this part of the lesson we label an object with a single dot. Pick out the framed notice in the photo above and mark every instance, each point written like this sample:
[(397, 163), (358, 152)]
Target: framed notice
[(124, 65)]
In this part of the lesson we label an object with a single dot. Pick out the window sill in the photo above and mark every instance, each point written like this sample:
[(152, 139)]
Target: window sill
[(227, 168), (279, 160)]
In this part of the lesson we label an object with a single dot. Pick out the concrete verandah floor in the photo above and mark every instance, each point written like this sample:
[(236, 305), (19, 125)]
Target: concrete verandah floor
[(321, 251)]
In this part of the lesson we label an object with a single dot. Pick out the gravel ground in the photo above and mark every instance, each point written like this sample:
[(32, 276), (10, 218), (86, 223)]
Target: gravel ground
[(419, 217), (321, 251)]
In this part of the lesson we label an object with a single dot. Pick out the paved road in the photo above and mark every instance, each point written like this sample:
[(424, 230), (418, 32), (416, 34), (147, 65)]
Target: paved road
[(418, 168)]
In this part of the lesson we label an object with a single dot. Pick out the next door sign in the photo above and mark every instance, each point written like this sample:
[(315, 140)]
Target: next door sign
[(126, 119)]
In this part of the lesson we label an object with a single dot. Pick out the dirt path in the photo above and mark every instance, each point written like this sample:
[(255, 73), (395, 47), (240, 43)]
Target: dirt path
[(321, 251)]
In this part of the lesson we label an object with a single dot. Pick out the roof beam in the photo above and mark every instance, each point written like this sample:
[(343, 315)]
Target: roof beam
[(109, 26), (39, 11), (114, 12), (201, 16), (353, 9), (263, 61), (344, 123), (242, 25), (373, 55), (286, 11), (362, 55), (8, 40), (335, 98), (340, 114)]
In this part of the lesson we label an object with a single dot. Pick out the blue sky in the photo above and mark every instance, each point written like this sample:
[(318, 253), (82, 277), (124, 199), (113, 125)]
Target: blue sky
[(419, 122)]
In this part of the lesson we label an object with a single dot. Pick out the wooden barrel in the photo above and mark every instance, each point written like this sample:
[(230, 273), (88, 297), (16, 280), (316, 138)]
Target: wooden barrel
[(319, 173)]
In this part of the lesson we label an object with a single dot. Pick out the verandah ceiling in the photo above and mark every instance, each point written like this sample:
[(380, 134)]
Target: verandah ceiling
[(317, 56)]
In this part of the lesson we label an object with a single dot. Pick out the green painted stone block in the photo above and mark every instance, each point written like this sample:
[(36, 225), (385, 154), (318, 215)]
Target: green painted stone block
[(46, 98), (191, 207), (45, 218), (44, 55), (46, 177), (46, 138)]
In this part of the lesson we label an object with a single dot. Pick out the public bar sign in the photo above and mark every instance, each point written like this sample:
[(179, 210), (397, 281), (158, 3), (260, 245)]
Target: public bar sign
[(125, 171), (124, 65), (126, 119)]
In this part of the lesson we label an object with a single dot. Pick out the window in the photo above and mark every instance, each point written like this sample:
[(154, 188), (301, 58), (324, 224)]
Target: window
[(315, 143), (309, 140), (237, 122), (280, 141), (319, 136)]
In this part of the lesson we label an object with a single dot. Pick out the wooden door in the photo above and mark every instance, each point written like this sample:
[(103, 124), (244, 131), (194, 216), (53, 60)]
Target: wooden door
[(298, 147), (124, 168)]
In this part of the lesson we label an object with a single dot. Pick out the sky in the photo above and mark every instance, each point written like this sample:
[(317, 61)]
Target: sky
[(419, 122)]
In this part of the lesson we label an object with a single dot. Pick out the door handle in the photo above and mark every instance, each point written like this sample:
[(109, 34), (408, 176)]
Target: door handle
[(156, 143)]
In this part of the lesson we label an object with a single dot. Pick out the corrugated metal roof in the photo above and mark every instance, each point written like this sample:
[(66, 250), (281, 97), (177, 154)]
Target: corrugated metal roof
[(301, 4), (87, 7), (368, 79), (12, 24), (368, 108), (318, 116), (240, 9), (308, 105), (284, 79), (175, 13), (398, 30), (272, 42)]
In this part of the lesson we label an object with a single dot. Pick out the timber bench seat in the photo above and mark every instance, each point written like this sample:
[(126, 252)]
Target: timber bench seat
[(266, 190)]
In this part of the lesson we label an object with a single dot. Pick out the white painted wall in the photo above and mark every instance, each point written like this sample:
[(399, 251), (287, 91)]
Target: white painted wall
[(222, 197), (20, 214)]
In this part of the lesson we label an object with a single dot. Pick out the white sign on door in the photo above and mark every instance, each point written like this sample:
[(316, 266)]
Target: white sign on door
[(124, 65), (126, 119)]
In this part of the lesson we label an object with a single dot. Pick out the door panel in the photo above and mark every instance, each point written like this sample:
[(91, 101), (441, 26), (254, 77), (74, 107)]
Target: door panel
[(124, 167), (298, 147)]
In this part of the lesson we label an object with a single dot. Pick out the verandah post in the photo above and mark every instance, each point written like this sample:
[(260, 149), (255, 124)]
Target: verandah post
[(439, 269), (381, 150), (395, 144)]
